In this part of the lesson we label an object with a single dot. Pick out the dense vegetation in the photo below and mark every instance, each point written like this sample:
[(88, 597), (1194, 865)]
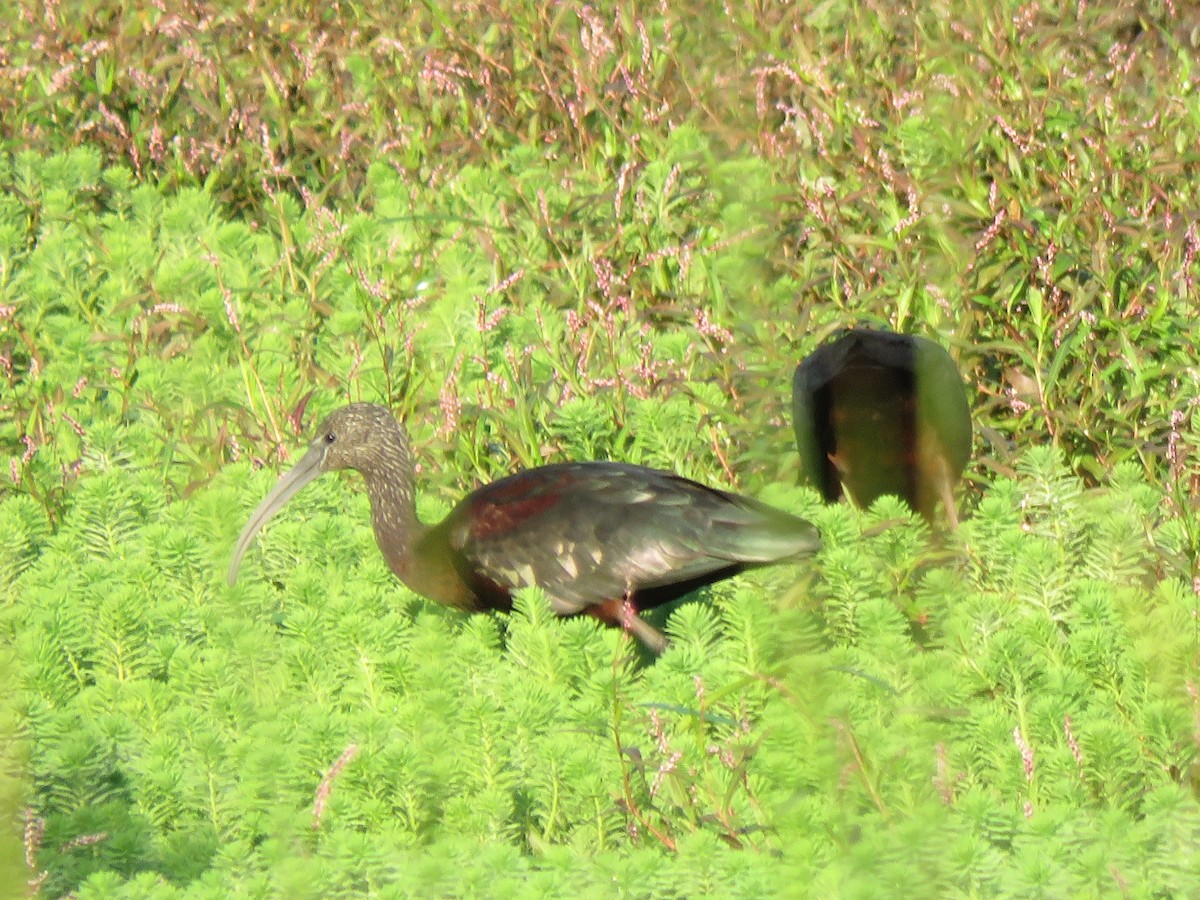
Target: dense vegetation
[(545, 233)]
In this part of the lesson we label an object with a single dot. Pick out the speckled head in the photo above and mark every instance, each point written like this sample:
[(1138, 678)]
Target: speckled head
[(361, 436)]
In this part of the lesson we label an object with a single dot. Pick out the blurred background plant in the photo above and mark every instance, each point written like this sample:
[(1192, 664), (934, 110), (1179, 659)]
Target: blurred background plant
[(538, 211), (542, 233)]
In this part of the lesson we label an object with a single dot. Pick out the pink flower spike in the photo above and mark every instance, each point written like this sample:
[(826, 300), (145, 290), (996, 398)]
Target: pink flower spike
[(321, 798), (1026, 752)]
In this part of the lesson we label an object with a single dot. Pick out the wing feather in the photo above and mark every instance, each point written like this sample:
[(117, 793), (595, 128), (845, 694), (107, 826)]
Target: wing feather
[(591, 532)]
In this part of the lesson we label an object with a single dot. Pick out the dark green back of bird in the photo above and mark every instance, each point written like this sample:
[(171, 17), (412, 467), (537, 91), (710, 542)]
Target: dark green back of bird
[(880, 413), (592, 532)]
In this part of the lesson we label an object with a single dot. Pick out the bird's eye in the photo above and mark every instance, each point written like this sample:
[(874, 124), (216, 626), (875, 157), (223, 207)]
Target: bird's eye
[(330, 437)]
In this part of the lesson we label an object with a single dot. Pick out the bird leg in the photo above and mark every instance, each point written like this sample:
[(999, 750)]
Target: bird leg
[(943, 484), (640, 628), (947, 492), (623, 613)]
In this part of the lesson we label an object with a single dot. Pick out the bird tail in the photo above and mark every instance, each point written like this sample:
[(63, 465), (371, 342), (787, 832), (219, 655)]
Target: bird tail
[(764, 534)]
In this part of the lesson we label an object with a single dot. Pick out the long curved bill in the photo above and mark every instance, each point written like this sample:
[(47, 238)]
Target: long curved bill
[(289, 485)]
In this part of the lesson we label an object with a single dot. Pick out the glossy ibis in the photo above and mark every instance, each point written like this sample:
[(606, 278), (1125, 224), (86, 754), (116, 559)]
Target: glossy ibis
[(600, 538), (881, 413)]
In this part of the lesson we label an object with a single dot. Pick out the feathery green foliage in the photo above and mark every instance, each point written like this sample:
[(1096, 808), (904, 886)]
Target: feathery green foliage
[(12, 764), (606, 232), (905, 718)]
